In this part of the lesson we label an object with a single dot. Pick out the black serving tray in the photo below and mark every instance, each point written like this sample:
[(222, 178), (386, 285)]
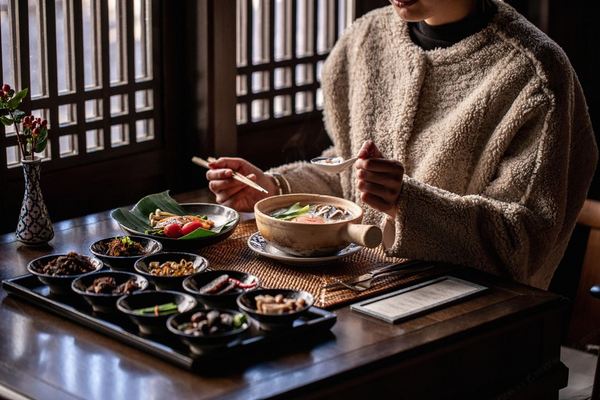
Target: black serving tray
[(168, 347)]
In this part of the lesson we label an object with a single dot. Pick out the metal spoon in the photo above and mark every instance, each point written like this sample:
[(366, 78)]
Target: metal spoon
[(333, 165)]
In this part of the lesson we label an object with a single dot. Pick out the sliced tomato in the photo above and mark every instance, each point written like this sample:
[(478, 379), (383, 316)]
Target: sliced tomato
[(191, 227), (173, 231)]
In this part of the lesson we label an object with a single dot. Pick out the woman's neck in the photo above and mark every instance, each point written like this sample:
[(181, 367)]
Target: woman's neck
[(454, 12)]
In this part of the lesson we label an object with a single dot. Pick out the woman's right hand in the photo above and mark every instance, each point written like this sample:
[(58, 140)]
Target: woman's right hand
[(233, 193)]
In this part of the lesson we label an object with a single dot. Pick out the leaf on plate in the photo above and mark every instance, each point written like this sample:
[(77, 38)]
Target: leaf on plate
[(137, 218)]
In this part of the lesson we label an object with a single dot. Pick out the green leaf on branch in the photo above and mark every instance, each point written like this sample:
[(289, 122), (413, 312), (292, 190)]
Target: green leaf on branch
[(16, 100), (41, 141), (18, 115), (6, 121)]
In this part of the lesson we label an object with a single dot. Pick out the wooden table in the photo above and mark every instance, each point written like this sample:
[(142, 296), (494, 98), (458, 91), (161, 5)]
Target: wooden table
[(504, 342)]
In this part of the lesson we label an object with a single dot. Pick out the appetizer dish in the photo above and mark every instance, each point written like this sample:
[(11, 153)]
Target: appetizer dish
[(102, 289), (120, 252), (168, 270), (275, 308), (213, 327), (220, 288), (278, 304), (176, 226), (182, 267), (312, 213), (68, 264), (108, 285), (59, 270), (161, 217), (149, 310)]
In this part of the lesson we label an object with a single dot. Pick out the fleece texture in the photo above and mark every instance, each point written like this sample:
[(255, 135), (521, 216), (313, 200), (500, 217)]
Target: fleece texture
[(493, 132)]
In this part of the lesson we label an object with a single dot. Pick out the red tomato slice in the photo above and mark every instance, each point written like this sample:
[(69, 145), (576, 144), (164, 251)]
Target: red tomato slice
[(173, 231), (191, 227)]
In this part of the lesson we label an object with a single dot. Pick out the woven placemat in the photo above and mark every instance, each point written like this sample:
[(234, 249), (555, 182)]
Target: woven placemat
[(234, 254)]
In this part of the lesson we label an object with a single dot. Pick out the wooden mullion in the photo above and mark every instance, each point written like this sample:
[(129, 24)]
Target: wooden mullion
[(3, 146), (315, 36), (79, 76), (156, 70), (249, 57), (278, 92), (293, 61), (130, 68), (281, 63), (286, 120), (336, 21), (23, 50), (272, 55), (52, 78), (105, 72)]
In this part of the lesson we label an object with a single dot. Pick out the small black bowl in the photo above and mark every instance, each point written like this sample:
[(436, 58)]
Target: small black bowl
[(124, 263), (142, 266), (193, 284), (246, 302), (153, 324), (198, 344), (105, 302), (59, 284)]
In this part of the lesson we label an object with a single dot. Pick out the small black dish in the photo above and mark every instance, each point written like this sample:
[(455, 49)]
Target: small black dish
[(201, 343), (246, 302), (105, 302), (59, 284), (154, 324), (142, 266), (124, 263), (193, 284)]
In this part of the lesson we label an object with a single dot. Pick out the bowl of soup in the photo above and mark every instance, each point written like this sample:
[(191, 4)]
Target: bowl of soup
[(311, 225)]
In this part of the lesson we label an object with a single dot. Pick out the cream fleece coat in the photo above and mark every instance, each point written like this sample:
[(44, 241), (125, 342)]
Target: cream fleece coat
[(493, 132)]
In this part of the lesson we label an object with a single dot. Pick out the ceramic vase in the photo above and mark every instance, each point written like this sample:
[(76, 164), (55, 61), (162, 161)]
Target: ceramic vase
[(34, 227)]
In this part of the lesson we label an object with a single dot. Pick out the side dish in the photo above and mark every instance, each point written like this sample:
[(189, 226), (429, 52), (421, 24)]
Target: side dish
[(212, 323), (223, 284), (108, 285), (158, 310), (278, 304), (121, 247), (175, 226), (70, 264), (171, 268)]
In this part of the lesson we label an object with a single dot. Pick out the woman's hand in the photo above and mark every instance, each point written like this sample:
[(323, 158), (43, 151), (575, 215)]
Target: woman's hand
[(233, 193), (378, 179)]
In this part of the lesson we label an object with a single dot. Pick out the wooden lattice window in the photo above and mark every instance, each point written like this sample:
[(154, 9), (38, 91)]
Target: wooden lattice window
[(281, 46), (91, 69)]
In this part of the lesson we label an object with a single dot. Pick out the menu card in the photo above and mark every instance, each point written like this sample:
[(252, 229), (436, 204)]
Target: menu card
[(407, 302)]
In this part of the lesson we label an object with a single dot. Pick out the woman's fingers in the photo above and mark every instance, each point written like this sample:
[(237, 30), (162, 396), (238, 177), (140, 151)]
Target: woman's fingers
[(369, 150), (376, 202), (380, 165), (386, 193), (380, 178), (233, 163), (219, 174)]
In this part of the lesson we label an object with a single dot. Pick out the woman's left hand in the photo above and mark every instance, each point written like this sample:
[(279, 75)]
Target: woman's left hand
[(378, 179)]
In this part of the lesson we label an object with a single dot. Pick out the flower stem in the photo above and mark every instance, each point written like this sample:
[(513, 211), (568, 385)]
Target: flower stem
[(21, 149)]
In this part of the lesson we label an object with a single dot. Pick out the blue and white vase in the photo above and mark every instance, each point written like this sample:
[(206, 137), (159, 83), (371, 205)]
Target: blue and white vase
[(34, 228)]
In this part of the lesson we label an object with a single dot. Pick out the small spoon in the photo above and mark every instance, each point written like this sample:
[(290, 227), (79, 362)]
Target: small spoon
[(333, 165)]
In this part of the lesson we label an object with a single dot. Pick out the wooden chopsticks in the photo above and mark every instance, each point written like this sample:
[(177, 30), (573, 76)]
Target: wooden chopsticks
[(236, 175)]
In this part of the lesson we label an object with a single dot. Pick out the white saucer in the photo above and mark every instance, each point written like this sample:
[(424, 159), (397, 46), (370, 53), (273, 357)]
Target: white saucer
[(260, 246)]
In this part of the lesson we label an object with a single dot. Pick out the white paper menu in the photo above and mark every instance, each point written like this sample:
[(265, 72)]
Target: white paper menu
[(398, 305)]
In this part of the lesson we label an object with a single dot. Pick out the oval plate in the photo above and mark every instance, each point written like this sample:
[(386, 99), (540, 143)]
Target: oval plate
[(216, 212), (260, 246)]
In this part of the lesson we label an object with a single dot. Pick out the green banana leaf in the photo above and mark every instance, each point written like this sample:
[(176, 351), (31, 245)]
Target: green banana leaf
[(137, 218)]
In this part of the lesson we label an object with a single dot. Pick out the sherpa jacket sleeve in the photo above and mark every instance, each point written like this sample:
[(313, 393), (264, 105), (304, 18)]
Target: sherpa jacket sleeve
[(528, 210)]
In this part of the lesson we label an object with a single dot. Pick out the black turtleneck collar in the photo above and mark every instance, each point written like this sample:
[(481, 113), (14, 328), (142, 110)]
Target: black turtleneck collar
[(430, 37)]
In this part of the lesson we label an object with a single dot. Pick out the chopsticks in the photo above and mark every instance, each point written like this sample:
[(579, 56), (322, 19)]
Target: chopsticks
[(236, 175)]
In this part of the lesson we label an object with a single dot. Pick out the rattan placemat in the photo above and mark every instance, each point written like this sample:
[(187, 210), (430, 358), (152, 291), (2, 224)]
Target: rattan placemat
[(234, 254)]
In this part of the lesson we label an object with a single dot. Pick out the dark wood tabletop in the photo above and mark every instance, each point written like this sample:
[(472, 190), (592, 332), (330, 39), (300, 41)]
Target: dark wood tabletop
[(504, 342)]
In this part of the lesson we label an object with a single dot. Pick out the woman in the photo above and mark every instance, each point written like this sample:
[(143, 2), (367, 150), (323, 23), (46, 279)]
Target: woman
[(474, 140)]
